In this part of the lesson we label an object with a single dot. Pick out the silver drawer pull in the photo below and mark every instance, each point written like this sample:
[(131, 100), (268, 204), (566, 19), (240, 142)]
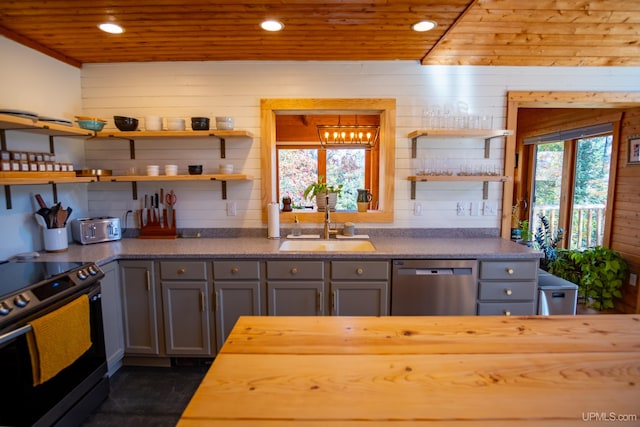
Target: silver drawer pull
[(294, 270), (508, 291), (507, 313), (510, 271), (359, 271)]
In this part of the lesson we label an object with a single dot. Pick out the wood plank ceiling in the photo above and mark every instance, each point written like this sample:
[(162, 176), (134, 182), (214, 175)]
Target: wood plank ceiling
[(469, 32)]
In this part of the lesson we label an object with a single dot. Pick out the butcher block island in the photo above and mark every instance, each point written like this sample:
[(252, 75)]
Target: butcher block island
[(444, 370)]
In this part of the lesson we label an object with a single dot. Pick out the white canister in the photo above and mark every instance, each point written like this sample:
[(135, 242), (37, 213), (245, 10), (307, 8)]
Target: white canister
[(153, 123), (55, 239)]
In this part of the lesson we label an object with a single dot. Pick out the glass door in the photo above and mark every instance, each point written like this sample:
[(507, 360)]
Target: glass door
[(570, 187), (547, 184)]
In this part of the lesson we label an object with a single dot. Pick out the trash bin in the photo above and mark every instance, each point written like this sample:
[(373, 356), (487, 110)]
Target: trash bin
[(556, 295)]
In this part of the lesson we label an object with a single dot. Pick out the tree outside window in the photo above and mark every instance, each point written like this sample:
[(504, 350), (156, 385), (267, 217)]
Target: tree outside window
[(298, 167)]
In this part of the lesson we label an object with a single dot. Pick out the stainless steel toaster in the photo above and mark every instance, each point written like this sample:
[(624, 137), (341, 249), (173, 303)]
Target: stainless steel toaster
[(96, 230)]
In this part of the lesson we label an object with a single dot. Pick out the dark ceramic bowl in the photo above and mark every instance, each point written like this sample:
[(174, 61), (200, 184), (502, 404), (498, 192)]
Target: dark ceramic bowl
[(200, 123), (126, 124), (195, 169)]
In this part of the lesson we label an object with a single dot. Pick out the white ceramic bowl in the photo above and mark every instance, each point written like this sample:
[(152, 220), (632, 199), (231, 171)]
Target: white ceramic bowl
[(153, 170), (171, 170), (153, 123), (226, 169), (224, 123), (174, 123)]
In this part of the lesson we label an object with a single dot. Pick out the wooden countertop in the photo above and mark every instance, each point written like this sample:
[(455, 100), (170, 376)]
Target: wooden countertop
[(454, 371)]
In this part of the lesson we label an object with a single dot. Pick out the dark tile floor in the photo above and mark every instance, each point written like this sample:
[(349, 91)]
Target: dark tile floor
[(146, 396)]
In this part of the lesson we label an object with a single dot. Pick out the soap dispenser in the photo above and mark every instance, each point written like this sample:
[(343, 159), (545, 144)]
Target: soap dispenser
[(297, 230)]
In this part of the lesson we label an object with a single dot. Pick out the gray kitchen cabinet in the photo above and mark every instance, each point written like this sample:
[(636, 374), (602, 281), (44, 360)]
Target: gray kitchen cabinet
[(112, 316), (237, 292), (185, 307), (139, 307), (507, 287), (359, 288), (295, 288)]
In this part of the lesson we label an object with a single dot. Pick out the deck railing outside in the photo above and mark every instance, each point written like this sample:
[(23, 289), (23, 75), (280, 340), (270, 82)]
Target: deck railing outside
[(587, 226)]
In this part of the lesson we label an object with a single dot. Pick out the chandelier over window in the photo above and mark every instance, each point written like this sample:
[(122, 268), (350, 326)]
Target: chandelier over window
[(349, 136)]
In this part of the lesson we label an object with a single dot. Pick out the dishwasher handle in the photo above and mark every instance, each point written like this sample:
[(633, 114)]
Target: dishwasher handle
[(435, 271)]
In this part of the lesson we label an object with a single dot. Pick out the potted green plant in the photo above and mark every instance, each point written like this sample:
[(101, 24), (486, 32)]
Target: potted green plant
[(547, 241), (599, 273), (525, 233), (319, 190)]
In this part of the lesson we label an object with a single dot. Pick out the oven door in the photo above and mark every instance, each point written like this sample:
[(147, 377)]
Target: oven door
[(67, 398)]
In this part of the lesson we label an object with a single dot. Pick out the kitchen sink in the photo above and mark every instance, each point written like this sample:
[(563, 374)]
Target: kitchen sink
[(327, 246)]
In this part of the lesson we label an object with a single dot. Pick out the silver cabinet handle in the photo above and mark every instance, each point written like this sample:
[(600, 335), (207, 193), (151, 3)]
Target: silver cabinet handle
[(148, 276), (508, 291), (359, 271)]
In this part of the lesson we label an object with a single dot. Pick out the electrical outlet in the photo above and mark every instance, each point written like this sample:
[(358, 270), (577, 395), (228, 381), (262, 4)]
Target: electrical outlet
[(231, 208), (461, 208), (475, 209), (490, 208), (417, 209), (633, 279)]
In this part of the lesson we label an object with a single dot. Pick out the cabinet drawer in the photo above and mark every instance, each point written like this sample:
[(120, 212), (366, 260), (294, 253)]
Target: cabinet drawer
[(506, 308), (508, 270), (507, 290), (295, 270), (241, 270), (360, 270), (183, 270)]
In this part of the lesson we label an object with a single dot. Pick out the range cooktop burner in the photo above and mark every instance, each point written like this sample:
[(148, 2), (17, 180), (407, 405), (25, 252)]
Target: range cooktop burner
[(19, 275), (28, 287)]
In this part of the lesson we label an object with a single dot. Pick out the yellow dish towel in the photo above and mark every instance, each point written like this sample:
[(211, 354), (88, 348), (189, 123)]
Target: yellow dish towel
[(57, 339)]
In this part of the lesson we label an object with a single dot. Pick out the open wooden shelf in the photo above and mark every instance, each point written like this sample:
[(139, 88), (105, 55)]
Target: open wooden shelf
[(134, 179), (486, 134), (132, 136), (460, 133), (10, 122), (205, 177), (485, 179), (35, 178), (175, 134)]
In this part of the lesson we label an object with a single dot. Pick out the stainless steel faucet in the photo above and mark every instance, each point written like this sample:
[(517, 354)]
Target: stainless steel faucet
[(327, 219)]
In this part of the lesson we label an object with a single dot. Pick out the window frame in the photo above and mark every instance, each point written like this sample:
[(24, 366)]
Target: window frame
[(384, 107), (322, 164)]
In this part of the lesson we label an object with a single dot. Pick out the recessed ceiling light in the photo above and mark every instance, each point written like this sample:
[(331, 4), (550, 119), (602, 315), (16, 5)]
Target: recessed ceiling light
[(423, 26), (109, 27), (271, 25)]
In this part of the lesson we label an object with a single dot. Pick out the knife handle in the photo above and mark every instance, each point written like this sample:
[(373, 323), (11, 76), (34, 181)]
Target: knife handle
[(40, 201)]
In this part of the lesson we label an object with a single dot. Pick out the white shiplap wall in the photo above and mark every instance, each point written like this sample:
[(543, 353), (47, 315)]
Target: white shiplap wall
[(185, 89), (35, 82)]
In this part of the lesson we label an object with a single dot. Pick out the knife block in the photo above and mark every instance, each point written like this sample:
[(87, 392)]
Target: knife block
[(153, 229)]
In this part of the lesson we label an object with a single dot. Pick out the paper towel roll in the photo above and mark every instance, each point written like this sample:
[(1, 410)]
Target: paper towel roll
[(273, 219)]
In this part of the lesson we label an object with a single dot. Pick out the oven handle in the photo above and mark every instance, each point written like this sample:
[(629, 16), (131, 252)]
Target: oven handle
[(14, 334), (92, 293)]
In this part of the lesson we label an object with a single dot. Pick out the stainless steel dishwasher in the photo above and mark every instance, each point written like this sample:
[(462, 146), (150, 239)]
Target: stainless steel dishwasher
[(434, 287)]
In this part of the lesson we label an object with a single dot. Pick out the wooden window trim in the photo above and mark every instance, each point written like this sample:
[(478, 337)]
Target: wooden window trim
[(385, 107)]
